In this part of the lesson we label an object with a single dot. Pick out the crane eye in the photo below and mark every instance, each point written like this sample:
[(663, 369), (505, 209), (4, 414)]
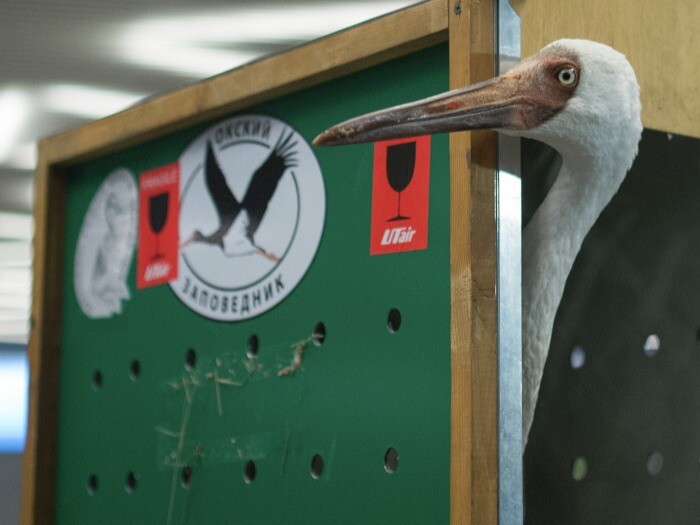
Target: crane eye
[(567, 76)]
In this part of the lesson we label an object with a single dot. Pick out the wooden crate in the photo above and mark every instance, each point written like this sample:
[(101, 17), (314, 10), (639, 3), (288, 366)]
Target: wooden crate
[(466, 32)]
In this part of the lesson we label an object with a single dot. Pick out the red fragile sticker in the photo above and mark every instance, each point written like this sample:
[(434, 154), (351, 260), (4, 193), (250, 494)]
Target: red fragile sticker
[(400, 189), (159, 191)]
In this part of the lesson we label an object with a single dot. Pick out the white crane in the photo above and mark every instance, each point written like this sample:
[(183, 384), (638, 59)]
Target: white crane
[(577, 96)]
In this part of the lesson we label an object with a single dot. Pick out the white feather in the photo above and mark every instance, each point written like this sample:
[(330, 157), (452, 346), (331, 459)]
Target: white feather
[(597, 134)]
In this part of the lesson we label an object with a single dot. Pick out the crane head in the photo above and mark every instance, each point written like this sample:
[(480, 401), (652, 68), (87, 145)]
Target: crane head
[(561, 95)]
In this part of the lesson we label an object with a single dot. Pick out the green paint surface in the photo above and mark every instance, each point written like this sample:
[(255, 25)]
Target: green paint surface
[(361, 392)]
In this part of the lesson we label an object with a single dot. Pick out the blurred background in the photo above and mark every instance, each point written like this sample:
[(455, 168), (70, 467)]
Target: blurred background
[(66, 63)]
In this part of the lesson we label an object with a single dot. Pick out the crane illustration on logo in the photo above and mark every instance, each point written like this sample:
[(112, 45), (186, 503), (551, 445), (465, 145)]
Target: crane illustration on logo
[(260, 190)]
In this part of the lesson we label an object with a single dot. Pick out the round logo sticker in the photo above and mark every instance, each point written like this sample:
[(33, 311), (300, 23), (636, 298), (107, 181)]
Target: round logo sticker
[(252, 209), (106, 246)]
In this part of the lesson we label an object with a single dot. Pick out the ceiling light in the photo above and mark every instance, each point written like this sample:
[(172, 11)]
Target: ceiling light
[(15, 254), (15, 331), (16, 276), (275, 24), (23, 156), (14, 110), (86, 101), (16, 226), (189, 60), (14, 308), (192, 44), (8, 289)]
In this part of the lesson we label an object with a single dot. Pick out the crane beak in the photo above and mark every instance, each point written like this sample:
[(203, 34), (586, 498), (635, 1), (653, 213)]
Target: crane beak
[(499, 103)]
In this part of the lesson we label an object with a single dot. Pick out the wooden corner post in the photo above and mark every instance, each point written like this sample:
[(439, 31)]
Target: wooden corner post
[(39, 458), (474, 434)]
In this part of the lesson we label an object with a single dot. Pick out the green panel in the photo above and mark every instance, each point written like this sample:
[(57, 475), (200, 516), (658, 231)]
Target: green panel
[(362, 391)]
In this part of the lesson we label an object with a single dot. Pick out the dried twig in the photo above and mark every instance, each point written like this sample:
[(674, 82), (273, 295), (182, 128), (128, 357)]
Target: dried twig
[(177, 456), (218, 381), (298, 357)]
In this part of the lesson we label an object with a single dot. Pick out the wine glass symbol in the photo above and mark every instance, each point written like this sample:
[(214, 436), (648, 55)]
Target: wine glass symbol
[(157, 214), (400, 164)]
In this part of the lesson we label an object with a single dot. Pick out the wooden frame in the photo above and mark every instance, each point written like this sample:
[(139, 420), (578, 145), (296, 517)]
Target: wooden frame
[(469, 29), (660, 43)]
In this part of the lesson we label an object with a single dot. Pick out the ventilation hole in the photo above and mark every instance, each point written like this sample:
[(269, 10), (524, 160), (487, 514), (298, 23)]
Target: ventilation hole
[(316, 466), (393, 321), (655, 462), (652, 345), (391, 460), (319, 334), (92, 484), (134, 370), (130, 484), (578, 357), (186, 476), (96, 380), (249, 472), (253, 345), (579, 470), (190, 359)]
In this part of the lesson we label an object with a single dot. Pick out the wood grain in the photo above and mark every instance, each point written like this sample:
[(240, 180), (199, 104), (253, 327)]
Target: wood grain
[(38, 460), (474, 436), (661, 41), (460, 284)]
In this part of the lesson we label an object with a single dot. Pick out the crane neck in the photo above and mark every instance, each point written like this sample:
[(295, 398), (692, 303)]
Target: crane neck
[(551, 242), (583, 188)]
